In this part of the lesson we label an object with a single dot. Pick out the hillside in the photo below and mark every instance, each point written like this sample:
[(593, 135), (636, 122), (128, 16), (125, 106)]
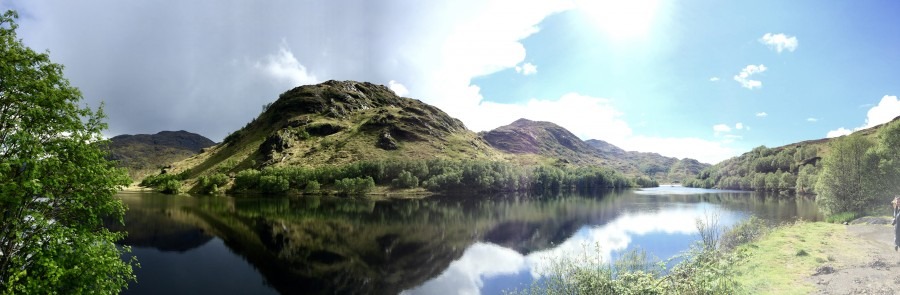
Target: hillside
[(551, 141), (793, 167), (143, 154), (351, 137), (341, 122)]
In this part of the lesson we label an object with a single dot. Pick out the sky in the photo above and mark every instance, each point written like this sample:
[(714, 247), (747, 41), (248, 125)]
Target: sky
[(702, 79)]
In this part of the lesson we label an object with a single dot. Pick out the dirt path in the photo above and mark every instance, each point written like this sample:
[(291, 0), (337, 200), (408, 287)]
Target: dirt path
[(870, 266)]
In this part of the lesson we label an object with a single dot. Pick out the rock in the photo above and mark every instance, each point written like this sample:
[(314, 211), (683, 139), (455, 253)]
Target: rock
[(824, 270), (871, 220), (387, 142)]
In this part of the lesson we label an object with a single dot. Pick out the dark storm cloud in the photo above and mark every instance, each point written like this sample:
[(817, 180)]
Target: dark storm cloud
[(200, 65)]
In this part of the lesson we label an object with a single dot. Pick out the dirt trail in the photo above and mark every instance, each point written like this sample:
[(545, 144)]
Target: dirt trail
[(871, 266)]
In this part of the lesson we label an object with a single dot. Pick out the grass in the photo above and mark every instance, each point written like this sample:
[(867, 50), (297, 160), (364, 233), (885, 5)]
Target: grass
[(841, 217), (779, 262)]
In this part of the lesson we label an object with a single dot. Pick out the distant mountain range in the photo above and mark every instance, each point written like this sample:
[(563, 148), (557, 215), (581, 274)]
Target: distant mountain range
[(553, 141), (143, 154), (341, 122)]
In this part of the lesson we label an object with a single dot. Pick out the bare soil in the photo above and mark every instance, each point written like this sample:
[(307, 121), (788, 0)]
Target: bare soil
[(871, 266)]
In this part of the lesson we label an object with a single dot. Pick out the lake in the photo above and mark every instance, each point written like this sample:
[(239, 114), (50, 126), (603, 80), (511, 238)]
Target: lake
[(437, 245)]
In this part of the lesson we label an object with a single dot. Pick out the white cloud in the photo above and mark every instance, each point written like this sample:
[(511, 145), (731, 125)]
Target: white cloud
[(744, 76), (397, 88), (582, 115), (466, 275), (761, 114), (838, 132), (617, 235), (714, 79), (813, 120), (721, 128), (285, 67), (526, 69), (886, 110), (779, 42), (483, 261), (739, 126)]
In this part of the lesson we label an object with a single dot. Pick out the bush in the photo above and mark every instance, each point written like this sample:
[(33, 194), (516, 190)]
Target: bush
[(170, 186), (354, 186), (312, 187), (405, 180), (271, 184), (744, 232), (210, 184), (164, 183), (842, 217), (246, 180)]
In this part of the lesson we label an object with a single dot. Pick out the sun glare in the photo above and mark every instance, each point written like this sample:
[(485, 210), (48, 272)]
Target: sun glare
[(621, 19)]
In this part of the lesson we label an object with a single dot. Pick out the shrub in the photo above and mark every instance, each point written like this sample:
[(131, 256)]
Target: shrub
[(312, 187), (354, 186), (170, 186), (210, 184), (246, 180), (841, 217), (271, 184), (744, 232), (405, 180)]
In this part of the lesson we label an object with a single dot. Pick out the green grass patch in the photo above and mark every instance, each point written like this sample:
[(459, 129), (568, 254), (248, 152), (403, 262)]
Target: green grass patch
[(842, 217), (779, 262)]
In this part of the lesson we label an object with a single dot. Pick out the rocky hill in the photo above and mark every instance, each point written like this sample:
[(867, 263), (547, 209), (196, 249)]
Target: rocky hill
[(541, 138), (142, 154), (340, 122), (555, 143)]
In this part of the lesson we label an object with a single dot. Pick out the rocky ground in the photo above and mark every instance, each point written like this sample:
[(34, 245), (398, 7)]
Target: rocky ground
[(870, 267)]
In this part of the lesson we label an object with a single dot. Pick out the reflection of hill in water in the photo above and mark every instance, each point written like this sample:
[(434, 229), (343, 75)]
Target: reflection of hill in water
[(328, 245)]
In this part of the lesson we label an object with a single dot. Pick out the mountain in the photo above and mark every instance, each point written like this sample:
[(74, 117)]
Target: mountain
[(541, 138), (340, 122), (142, 154), (668, 169), (553, 142)]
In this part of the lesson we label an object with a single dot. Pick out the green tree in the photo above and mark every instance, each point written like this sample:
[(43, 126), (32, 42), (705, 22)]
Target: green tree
[(56, 187), (405, 180), (888, 150), (849, 177)]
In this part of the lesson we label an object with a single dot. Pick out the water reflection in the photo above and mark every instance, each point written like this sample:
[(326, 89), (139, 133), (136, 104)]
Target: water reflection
[(438, 245)]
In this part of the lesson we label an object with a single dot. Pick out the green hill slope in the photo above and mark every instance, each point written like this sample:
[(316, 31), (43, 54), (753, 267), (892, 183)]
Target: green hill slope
[(789, 168), (143, 154)]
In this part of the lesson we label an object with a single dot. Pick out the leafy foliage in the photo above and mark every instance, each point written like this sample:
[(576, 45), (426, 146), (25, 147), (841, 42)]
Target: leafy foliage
[(438, 176), (56, 186), (166, 183), (849, 177), (210, 184), (764, 169)]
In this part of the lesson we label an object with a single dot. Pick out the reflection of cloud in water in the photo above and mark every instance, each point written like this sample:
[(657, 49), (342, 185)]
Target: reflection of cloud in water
[(680, 190), (464, 276), (482, 261)]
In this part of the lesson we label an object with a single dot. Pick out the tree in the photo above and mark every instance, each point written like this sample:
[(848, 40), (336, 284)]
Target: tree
[(849, 180), (888, 151), (56, 187)]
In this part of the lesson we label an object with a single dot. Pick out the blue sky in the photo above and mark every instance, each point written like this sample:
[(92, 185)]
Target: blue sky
[(700, 79)]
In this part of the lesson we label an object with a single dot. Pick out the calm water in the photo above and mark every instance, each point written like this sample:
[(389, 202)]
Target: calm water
[(439, 245)]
